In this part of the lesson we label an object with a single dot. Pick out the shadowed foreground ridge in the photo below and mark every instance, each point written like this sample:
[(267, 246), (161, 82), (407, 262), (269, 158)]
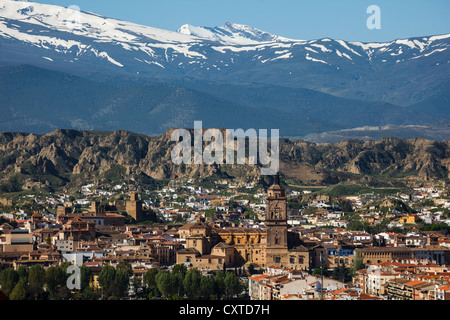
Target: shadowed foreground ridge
[(69, 158)]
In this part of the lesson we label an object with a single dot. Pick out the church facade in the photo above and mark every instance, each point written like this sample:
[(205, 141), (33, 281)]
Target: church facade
[(274, 246)]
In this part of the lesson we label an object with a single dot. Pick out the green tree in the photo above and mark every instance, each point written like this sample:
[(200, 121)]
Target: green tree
[(89, 294), (341, 273), (19, 292), (54, 279), (346, 206), (207, 287), (63, 293), (356, 225), (232, 285), (180, 199), (178, 279), (319, 271), (106, 280), (179, 268), (86, 277), (8, 280), (23, 274), (122, 281), (125, 267), (178, 273), (220, 284), (149, 277), (357, 264), (150, 287), (166, 284), (191, 283), (251, 268), (36, 277)]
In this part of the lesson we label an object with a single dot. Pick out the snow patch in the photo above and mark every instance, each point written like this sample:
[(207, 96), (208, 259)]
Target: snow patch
[(314, 60)]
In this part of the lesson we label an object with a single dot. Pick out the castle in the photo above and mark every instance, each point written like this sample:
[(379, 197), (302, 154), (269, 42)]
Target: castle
[(210, 247)]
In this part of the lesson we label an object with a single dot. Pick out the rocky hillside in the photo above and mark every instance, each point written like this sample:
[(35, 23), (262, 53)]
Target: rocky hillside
[(70, 158)]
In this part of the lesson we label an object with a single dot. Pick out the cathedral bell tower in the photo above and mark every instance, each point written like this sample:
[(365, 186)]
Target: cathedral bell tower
[(276, 222)]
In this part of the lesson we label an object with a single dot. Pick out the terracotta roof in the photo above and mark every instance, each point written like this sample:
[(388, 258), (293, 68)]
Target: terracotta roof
[(259, 277), (414, 282), (444, 288)]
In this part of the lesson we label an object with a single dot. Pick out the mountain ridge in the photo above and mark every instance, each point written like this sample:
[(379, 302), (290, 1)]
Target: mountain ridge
[(73, 102), (401, 82), (69, 158), (51, 37)]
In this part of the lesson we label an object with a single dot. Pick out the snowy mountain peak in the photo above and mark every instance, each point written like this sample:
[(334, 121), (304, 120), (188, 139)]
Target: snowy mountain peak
[(79, 23), (67, 37), (232, 33)]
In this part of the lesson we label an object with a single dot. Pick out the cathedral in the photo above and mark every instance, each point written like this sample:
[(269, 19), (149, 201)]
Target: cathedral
[(283, 248), (210, 247)]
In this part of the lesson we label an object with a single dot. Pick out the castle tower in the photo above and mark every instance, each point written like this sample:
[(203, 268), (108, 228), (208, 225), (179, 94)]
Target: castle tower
[(134, 207), (276, 223), (98, 209)]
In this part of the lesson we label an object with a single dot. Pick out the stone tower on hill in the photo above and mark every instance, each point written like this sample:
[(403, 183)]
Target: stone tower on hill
[(134, 207)]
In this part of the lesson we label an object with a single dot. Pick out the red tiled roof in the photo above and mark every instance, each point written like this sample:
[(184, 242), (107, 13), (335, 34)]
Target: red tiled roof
[(259, 277), (444, 288), (414, 282)]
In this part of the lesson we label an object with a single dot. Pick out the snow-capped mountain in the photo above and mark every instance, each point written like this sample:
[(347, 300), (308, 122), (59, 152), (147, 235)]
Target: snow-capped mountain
[(402, 71), (232, 34)]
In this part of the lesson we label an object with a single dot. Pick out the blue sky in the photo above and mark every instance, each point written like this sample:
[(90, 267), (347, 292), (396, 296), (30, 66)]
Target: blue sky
[(297, 19)]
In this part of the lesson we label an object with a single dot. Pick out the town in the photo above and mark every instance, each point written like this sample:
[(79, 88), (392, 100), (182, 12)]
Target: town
[(190, 240)]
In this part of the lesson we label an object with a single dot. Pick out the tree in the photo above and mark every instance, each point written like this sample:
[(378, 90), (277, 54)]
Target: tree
[(19, 292), (251, 268), (180, 199), (23, 274), (319, 271), (8, 280), (150, 286), (86, 277), (54, 279), (179, 268), (207, 287), (346, 206), (232, 285), (356, 225), (89, 294), (63, 293), (149, 277), (166, 283), (192, 284), (357, 264), (36, 278), (122, 281), (125, 267), (106, 279), (220, 284), (341, 273), (178, 273)]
